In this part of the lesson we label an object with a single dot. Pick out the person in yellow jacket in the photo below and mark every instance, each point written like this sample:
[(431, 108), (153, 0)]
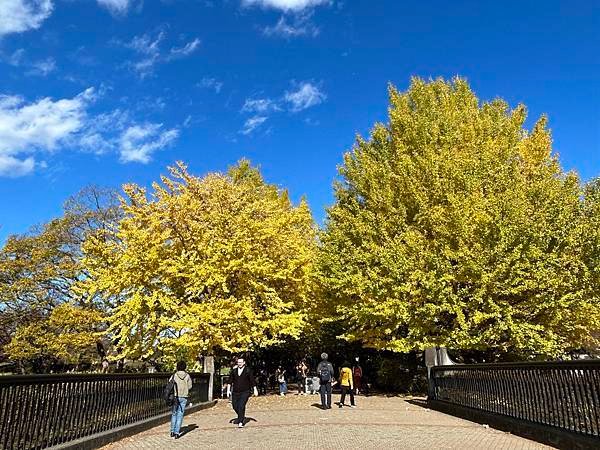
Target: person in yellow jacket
[(346, 384)]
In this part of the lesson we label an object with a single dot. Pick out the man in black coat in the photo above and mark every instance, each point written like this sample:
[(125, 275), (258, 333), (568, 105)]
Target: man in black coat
[(241, 383)]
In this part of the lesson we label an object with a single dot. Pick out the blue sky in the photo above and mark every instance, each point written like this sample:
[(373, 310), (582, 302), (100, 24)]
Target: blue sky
[(112, 91)]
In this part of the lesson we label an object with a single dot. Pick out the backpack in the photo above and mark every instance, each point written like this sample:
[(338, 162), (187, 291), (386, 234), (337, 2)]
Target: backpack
[(325, 374), (170, 392)]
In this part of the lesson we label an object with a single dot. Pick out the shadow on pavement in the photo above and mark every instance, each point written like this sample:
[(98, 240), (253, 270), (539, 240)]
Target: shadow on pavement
[(246, 420), (188, 429), (317, 405)]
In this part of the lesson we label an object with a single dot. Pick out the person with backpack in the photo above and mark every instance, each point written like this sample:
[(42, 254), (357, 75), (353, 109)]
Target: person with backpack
[(179, 386), (325, 373), (346, 384), (241, 385)]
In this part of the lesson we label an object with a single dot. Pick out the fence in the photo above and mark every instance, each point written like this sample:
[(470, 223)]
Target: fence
[(40, 411), (561, 395)]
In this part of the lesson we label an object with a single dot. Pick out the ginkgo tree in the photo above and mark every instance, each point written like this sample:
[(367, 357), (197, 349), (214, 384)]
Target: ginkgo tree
[(69, 335), (198, 264), (454, 225)]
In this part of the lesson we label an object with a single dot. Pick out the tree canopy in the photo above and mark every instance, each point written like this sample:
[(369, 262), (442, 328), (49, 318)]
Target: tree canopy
[(454, 225), (199, 264), (38, 273)]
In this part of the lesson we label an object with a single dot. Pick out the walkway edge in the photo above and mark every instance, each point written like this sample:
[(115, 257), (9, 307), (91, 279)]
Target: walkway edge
[(98, 440), (544, 434)]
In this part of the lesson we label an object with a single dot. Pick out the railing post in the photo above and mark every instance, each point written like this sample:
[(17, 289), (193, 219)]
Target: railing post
[(430, 361), (435, 356), (209, 367)]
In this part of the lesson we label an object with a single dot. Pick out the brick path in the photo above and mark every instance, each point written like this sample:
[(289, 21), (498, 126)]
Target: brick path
[(294, 423)]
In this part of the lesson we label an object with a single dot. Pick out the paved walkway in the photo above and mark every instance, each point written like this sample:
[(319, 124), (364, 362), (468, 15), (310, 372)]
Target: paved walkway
[(294, 422)]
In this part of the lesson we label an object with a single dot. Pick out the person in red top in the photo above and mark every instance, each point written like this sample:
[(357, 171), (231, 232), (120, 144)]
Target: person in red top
[(357, 374)]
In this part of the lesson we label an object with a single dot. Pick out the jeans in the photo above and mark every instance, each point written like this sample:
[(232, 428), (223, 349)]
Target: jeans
[(177, 414), (325, 395), (347, 389), (238, 401), (283, 388)]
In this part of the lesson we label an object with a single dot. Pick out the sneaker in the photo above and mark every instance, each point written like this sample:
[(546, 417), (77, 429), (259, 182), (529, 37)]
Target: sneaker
[(172, 434), (352, 406), (241, 425), (177, 435)]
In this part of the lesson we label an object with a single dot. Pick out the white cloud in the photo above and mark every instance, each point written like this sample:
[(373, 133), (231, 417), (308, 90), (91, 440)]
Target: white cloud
[(116, 7), (43, 124), (285, 5), (98, 136), (17, 16), (145, 44), (16, 59), (260, 105), (149, 48), (116, 131), (211, 83), (252, 124), (48, 125), (43, 67), (12, 167), (305, 96), (138, 142), (40, 126), (184, 51), (301, 26), (19, 59)]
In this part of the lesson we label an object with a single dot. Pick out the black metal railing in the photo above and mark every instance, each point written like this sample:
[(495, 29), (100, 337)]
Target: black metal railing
[(564, 395), (40, 411)]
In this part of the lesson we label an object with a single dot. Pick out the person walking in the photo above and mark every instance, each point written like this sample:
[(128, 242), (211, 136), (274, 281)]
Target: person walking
[(241, 385), (301, 371), (280, 374), (183, 384), (346, 384), (261, 381), (357, 374), (326, 374)]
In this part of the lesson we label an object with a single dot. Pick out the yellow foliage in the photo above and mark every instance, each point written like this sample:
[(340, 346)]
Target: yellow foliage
[(219, 262), (455, 226), (69, 334)]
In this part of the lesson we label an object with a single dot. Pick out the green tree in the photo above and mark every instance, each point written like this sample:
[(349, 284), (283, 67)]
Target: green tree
[(200, 264), (454, 225)]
